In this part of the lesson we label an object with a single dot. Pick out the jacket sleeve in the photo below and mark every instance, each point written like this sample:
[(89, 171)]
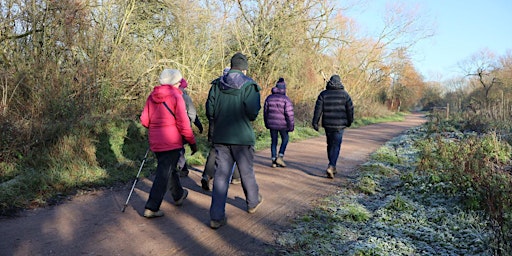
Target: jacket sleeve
[(252, 103), (265, 113), (144, 117), (289, 114), (318, 110), (191, 109), (210, 103), (182, 121), (349, 106)]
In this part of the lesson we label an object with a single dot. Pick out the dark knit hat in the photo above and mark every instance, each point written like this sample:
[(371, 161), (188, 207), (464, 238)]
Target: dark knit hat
[(239, 61), (280, 83), (334, 81)]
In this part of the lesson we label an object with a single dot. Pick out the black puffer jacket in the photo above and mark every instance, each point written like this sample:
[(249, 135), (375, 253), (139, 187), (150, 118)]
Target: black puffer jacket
[(334, 106)]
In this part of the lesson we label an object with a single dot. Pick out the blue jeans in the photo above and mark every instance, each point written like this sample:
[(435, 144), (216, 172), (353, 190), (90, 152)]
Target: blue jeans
[(166, 178), (226, 156), (273, 145), (334, 139)]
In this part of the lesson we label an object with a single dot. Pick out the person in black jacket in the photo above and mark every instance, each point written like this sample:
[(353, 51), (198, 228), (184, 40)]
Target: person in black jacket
[(336, 109)]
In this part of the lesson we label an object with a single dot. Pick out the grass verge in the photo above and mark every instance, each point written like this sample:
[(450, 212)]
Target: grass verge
[(390, 209)]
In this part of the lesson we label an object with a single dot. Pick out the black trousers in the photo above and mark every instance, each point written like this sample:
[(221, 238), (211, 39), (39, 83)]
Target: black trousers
[(166, 178)]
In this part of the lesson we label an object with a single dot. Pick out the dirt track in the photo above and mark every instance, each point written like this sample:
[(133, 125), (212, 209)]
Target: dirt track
[(93, 224)]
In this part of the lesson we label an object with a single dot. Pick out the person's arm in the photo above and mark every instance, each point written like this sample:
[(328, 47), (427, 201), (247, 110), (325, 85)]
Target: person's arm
[(198, 124), (349, 106), (252, 103), (318, 111), (182, 120), (210, 103), (144, 116), (289, 114), (265, 113)]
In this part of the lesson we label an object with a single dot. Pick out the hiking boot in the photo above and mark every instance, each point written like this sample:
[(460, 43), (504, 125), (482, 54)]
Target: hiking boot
[(180, 201), (215, 224), (280, 162), (205, 183), (331, 170), (253, 209), (274, 164), (151, 214), (236, 181)]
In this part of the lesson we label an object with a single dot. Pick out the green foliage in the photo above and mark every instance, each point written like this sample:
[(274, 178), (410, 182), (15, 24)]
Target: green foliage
[(362, 120), (386, 155), (408, 215), (367, 185), (400, 204), (470, 163), (355, 212)]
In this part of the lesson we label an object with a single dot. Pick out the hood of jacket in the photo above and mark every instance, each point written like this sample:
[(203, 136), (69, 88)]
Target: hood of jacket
[(334, 84), (162, 92), (276, 90), (233, 81)]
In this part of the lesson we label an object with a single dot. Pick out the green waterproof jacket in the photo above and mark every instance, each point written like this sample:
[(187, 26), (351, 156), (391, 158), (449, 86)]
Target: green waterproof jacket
[(233, 103)]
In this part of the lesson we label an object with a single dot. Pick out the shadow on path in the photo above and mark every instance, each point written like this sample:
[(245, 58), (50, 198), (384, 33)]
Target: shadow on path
[(93, 224)]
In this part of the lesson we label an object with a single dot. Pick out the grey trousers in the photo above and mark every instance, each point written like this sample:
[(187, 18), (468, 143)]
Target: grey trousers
[(226, 156)]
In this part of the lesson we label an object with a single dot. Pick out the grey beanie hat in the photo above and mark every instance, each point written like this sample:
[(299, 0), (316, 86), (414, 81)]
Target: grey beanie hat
[(239, 61), (170, 76)]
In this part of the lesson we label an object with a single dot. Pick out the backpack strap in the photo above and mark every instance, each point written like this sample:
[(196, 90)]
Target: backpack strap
[(167, 107)]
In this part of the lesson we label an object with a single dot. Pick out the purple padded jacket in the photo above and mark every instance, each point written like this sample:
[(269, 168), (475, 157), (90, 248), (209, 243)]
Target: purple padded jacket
[(278, 111)]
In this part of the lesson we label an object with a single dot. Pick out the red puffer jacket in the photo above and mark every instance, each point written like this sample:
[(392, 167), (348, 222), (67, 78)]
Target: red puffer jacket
[(166, 131)]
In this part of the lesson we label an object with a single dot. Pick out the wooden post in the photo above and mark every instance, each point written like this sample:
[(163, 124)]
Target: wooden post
[(447, 111)]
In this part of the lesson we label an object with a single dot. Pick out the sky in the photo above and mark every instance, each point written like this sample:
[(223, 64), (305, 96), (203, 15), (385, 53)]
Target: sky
[(462, 28)]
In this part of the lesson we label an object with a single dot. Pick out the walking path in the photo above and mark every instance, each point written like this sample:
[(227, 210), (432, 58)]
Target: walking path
[(93, 224)]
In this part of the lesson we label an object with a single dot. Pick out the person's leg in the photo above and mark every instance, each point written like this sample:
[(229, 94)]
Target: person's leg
[(284, 141), (174, 184), (223, 166), (163, 171), (236, 172), (330, 147), (273, 143), (209, 168), (244, 156), (235, 177), (334, 152), (182, 164), (273, 146)]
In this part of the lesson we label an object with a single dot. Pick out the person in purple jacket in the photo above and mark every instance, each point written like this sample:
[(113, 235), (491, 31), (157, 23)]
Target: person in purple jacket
[(278, 117)]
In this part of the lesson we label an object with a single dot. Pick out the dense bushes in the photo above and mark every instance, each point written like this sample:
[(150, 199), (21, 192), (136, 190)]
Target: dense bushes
[(477, 166)]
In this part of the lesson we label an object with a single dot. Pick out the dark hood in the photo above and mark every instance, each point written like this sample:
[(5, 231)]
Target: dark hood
[(334, 83)]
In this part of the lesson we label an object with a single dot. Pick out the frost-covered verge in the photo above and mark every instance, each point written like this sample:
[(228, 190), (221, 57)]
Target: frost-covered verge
[(389, 210)]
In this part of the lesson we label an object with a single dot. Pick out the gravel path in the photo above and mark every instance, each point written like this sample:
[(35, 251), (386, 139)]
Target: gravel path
[(93, 224)]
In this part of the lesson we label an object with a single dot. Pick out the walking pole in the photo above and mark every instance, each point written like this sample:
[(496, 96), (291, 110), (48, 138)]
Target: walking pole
[(135, 181)]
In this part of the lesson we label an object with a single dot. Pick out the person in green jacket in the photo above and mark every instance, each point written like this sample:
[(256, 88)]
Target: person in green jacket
[(233, 103)]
